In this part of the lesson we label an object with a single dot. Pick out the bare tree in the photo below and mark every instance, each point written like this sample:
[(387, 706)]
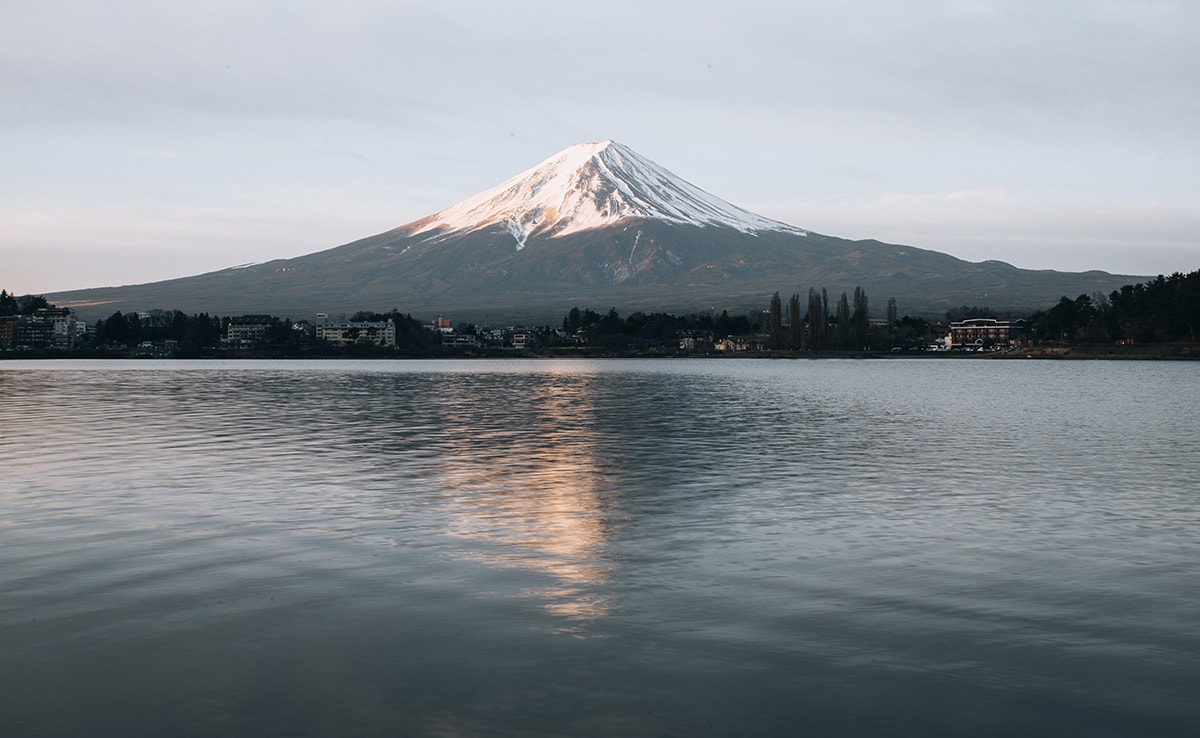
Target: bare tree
[(862, 318)]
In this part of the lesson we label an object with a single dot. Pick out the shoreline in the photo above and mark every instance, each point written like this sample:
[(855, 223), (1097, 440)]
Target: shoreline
[(1137, 352)]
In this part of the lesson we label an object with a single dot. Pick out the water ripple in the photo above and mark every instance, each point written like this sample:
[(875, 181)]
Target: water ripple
[(904, 528)]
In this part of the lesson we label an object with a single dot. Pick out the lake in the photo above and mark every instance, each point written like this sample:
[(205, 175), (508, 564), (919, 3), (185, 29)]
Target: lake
[(600, 547)]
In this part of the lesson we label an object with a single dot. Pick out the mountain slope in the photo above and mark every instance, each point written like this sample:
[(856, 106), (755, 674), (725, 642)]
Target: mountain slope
[(595, 225)]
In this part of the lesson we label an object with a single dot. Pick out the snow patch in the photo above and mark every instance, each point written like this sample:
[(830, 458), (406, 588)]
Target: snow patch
[(517, 231)]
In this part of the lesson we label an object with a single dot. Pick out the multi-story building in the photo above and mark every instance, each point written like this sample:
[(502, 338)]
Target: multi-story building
[(378, 333), (8, 329), (248, 330), (44, 328), (980, 332)]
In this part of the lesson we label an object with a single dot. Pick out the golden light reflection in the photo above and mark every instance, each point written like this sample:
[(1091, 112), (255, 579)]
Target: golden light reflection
[(532, 493)]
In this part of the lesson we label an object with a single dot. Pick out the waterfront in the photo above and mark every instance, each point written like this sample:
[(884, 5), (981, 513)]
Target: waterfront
[(639, 547)]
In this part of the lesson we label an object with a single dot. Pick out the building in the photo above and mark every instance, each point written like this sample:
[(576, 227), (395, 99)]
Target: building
[(247, 330), (740, 343), (246, 334), (44, 328), (460, 340), (377, 333), (522, 339), (441, 325), (984, 332), (690, 340), (63, 325), (8, 329)]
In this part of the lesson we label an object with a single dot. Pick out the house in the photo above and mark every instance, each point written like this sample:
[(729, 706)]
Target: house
[(690, 340), (441, 325), (740, 343), (460, 340), (522, 339)]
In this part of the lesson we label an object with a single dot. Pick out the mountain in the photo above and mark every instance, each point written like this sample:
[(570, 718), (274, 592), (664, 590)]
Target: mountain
[(598, 226)]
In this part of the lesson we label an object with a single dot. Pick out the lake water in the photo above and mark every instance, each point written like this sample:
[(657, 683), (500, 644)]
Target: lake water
[(600, 548)]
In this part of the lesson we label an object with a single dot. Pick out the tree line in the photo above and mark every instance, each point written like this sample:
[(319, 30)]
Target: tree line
[(1162, 310), (848, 327), (202, 330), (1165, 309), (189, 331), (641, 329), (10, 304)]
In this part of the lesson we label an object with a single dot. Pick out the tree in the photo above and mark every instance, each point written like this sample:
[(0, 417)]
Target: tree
[(861, 320), (115, 330), (794, 322), (891, 321), (1064, 320), (727, 325), (29, 304), (911, 332), (573, 321), (843, 322), (816, 321), (775, 319), (965, 311), (826, 339), (611, 322), (8, 304)]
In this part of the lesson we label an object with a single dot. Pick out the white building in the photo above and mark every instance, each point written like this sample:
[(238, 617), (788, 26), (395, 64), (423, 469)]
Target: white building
[(378, 333)]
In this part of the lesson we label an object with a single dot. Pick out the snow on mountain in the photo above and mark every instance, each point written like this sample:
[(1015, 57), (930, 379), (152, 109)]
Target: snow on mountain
[(588, 186)]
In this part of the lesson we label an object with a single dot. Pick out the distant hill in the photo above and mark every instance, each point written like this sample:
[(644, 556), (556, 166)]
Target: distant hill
[(596, 226)]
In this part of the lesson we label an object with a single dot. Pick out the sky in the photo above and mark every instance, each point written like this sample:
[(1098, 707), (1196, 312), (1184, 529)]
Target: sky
[(146, 140)]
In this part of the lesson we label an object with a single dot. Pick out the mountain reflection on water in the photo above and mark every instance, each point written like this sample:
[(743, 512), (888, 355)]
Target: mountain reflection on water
[(594, 548)]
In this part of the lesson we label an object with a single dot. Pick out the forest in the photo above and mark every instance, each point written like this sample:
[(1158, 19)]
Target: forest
[(1164, 310)]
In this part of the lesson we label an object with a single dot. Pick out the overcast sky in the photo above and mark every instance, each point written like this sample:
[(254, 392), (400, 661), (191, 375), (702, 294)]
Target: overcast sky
[(144, 140)]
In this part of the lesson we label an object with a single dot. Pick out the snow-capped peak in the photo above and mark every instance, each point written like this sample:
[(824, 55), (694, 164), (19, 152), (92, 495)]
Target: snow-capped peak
[(587, 186)]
